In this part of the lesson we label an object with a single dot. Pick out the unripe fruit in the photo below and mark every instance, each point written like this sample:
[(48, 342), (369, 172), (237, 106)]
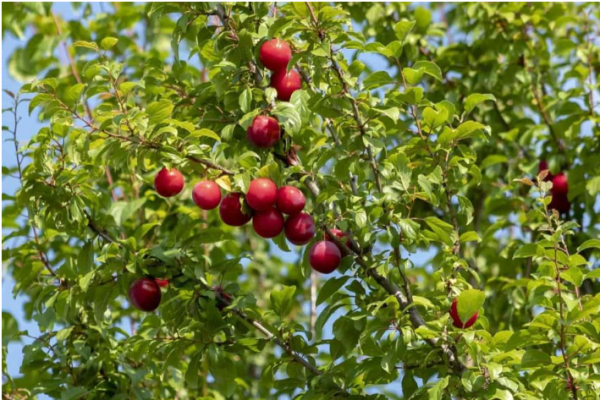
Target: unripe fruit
[(275, 54), (268, 224), (285, 83), (290, 200), (324, 257), (456, 319), (161, 282), (340, 235), (264, 131), (299, 228), (231, 210), (206, 195), (560, 185), (145, 294), (262, 194), (168, 183)]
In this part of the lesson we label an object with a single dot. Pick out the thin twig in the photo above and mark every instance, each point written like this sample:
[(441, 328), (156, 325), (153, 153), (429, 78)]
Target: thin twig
[(41, 254)]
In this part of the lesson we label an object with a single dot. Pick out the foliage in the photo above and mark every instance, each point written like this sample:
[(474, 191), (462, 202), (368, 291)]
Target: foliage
[(429, 159)]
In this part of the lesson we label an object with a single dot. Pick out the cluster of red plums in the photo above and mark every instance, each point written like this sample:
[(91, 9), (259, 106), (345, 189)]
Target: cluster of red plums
[(267, 204), (275, 54)]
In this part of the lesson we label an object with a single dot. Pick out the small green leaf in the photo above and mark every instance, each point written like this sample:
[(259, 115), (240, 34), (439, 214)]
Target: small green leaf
[(282, 300), (469, 302), (430, 69), (245, 100), (535, 358), (87, 45), (403, 28), (473, 100), (377, 79), (589, 244), (108, 42), (529, 250), (158, 111)]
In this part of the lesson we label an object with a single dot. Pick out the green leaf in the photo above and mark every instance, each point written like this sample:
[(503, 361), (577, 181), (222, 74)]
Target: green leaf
[(413, 76), (108, 42), (430, 69), (442, 229), (493, 160), (377, 79), (589, 244), (331, 287), (535, 358), (473, 100), (87, 45), (158, 111), (469, 302), (403, 28), (468, 129), (245, 100), (437, 391), (434, 119), (412, 95), (593, 186), (423, 18), (282, 300), (205, 133), (470, 236), (529, 250)]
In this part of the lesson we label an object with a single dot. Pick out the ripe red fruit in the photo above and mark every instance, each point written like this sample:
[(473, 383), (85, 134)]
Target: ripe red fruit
[(145, 294), (324, 257), (231, 210), (275, 54), (560, 185), (543, 166), (285, 83), (268, 224), (299, 228), (206, 195), (262, 194), (264, 131), (161, 282), (560, 203), (290, 200), (456, 319), (339, 234), (168, 183)]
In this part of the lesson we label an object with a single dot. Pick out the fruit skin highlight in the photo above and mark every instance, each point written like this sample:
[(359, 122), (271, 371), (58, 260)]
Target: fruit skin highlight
[(145, 294), (290, 200), (268, 224), (206, 195), (231, 210), (299, 228), (275, 54), (168, 183), (262, 194), (456, 319), (285, 83), (264, 131), (324, 257)]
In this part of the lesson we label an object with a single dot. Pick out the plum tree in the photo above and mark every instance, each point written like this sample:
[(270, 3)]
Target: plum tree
[(408, 151)]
